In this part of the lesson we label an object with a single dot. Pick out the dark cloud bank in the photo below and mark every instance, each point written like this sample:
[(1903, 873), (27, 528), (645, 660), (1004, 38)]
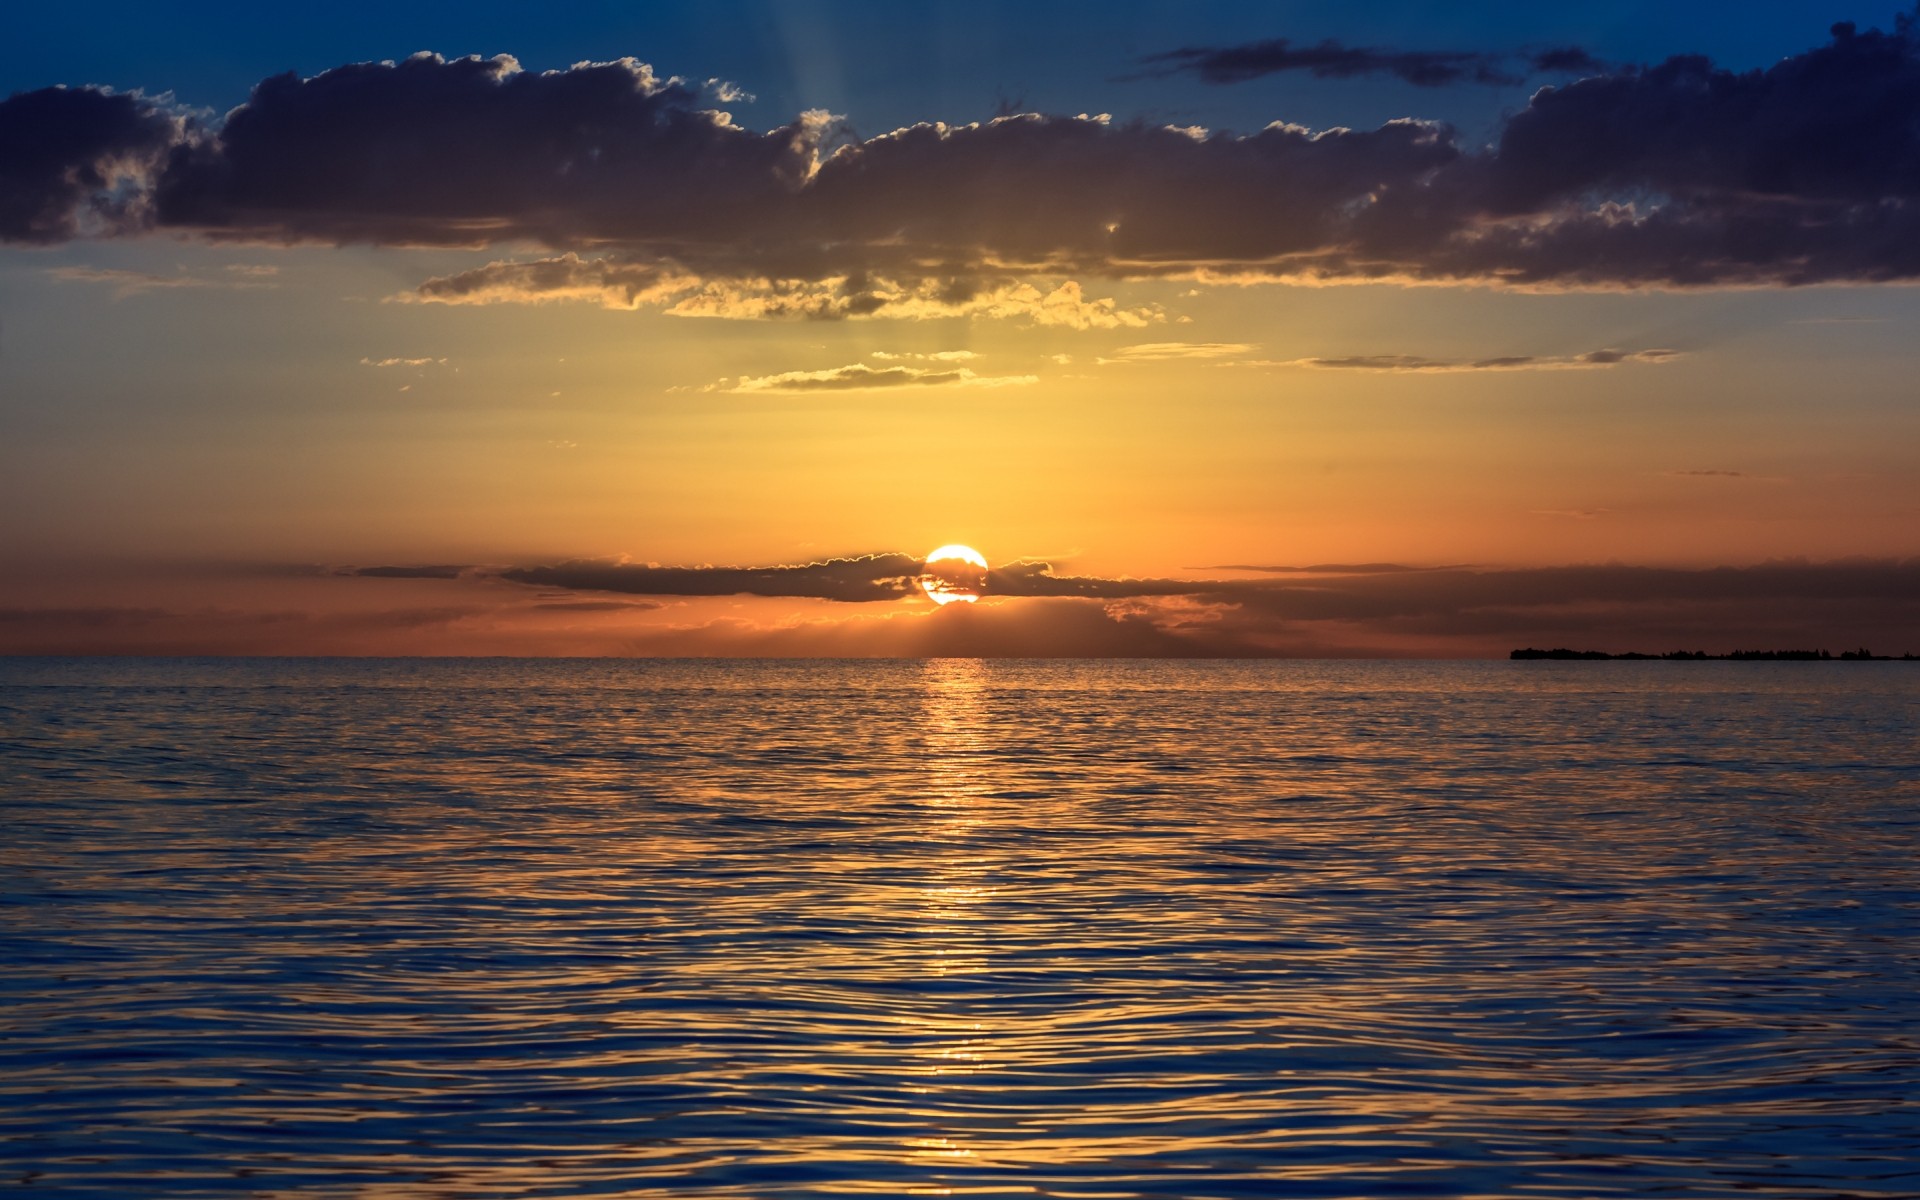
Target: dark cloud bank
[(1365, 608), (1325, 610), (1678, 174), (868, 578)]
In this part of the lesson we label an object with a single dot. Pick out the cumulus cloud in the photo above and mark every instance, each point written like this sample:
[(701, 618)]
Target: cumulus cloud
[(1680, 174), (861, 377), (473, 151), (80, 161)]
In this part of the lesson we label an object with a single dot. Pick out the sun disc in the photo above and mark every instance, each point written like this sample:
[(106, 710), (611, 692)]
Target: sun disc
[(954, 573)]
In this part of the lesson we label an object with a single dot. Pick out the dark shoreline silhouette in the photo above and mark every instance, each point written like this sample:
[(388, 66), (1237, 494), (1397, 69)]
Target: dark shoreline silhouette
[(1860, 655)]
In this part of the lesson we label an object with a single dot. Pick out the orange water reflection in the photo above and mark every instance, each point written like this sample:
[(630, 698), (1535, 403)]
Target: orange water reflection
[(753, 930)]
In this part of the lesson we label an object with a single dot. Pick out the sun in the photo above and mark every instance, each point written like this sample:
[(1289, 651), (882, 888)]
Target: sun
[(954, 572)]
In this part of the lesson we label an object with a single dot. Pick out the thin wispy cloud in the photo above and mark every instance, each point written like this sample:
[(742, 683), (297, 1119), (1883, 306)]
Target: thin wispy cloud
[(133, 283), (1173, 351), (1378, 568), (1418, 364), (861, 377), (1330, 59)]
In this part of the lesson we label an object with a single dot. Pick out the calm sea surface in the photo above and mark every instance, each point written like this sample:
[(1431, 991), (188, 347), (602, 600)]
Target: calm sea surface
[(509, 928)]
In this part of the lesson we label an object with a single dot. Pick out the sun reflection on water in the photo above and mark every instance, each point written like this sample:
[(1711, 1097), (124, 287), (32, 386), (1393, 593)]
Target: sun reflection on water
[(956, 927), (952, 1042)]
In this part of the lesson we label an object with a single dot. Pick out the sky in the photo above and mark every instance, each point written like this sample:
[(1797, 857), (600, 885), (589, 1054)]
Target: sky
[(1220, 329)]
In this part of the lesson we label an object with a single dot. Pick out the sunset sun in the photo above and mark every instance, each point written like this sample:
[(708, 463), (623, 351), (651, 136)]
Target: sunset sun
[(954, 572)]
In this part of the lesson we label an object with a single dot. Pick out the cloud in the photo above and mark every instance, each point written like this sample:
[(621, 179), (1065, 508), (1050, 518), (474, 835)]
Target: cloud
[(127, 283), (606, 282), (150, 630), (77, 162), (476, 151), (727, 93), (1162, 351), (1336, 591), (868, 578), (617, 284), (589, 606), (1711, 474), (1626, 607), (1333, 569), (1680, 174), (1565, 60), (935, 356), (1329, 59), (1518, 362), (437, 571), (1340, 609), (861, 377), (133, 283), (403, 362)]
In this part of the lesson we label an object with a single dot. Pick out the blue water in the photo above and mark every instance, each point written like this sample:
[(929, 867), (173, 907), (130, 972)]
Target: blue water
[(495, 928)]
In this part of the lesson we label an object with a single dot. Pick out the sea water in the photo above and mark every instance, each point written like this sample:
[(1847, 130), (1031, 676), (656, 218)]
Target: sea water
[(482, 928)]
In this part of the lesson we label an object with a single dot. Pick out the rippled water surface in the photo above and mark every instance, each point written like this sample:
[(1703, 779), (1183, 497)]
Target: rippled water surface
[(506, 928)]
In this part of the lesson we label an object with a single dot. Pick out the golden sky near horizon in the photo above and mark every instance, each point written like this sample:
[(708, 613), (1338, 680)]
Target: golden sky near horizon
[(212, 421)]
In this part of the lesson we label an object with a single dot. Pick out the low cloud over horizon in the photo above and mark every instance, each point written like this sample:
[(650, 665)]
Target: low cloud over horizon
[(873, 608), (1679, 174), (869, 606)]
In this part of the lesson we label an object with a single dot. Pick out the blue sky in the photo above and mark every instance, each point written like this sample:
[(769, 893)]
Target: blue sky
[(887, 64)]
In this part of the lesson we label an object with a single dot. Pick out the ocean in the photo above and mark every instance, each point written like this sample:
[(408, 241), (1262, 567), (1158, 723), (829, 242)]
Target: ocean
[(501, 928)]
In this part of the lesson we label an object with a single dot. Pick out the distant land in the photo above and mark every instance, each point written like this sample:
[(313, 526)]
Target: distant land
[(1860, 655)]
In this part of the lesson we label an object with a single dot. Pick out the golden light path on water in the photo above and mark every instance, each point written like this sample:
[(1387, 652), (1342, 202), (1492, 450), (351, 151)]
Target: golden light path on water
[(754, 929)]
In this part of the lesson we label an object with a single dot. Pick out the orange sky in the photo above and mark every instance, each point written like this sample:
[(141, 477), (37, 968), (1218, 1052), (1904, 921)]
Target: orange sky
[(219, 406)]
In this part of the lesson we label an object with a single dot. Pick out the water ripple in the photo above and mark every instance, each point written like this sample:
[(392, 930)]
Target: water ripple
[(495, 928)]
